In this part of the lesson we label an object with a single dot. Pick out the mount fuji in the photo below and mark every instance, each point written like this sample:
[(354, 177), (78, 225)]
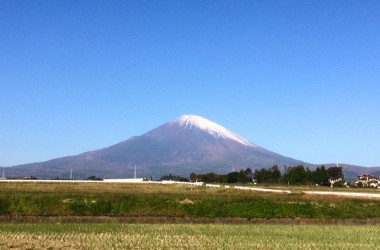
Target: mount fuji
[(184, 145)]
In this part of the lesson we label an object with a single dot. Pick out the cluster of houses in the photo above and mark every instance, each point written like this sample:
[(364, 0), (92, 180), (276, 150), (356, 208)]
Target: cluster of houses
[(364, 180), (367, 180)]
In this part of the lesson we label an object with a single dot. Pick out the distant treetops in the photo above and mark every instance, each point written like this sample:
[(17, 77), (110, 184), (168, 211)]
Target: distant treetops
[(296, 175), (299, 175)]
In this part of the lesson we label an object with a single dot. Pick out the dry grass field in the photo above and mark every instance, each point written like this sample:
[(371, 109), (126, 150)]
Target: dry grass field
[(187, 236)]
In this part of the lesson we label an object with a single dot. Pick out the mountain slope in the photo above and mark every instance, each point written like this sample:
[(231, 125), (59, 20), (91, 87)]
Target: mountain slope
[(186, 144), (190, 144)]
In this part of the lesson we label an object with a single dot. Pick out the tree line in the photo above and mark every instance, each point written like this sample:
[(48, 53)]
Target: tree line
[(243, 176), (296, 175)]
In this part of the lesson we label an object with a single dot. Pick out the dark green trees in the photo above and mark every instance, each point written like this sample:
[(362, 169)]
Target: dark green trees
[(233, 177), (244, 176), (173, 178), (264, 175), (320, 176), (335, 172), (295, 175)]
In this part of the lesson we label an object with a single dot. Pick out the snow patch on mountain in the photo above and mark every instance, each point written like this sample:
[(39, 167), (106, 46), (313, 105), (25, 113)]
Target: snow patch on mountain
[(194, 121)]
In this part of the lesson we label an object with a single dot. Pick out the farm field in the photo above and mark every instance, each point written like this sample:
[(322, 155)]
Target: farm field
[(187, 217), (157, 200), (187, 236)]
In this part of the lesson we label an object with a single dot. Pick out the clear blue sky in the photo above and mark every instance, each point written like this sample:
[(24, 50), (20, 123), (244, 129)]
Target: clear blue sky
[(301, 78)]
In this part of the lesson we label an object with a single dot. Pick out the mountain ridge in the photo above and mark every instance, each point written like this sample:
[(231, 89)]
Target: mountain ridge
[(188, 143)]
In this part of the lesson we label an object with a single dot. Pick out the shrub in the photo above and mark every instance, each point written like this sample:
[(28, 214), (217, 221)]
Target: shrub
[(339, 184)]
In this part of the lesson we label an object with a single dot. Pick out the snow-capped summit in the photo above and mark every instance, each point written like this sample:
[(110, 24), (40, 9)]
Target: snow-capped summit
[(194, 121), (187, 144)]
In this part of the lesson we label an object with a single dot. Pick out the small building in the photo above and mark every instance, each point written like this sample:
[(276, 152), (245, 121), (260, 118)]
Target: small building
[(333, 180), (367, 180)]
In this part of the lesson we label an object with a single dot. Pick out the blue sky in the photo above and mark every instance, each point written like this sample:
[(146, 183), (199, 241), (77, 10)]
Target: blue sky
[(301, 78)]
